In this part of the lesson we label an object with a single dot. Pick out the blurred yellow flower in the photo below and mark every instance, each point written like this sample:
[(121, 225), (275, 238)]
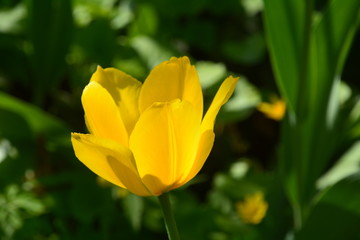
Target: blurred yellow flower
[(274, 110), (253, 209), (148, 138)]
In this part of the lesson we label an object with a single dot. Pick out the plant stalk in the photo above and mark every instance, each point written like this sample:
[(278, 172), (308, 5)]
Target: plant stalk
[(169, 219)]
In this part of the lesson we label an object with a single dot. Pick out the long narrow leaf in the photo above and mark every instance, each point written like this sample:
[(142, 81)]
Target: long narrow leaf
[(285, 26), (330, 43)]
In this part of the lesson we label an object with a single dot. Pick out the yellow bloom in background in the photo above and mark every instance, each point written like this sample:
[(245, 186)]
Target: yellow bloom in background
[(148, 138), (274, 110), (253, 209)]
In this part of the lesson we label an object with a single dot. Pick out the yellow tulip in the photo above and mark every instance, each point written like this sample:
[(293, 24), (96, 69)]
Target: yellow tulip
[(253, 209), (148, 138), (275, 109)]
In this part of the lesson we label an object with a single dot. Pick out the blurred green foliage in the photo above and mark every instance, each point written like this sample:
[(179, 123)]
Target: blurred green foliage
[(307, 165)]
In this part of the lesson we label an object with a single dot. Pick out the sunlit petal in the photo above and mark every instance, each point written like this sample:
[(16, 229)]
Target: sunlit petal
[(164, 143), (222, 96), (125, 91), (173, 79), (110, 160), (102, 115)]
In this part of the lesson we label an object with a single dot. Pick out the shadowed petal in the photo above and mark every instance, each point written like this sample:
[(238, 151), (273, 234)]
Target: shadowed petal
[(110, 160), (205, 145), (173, 79), (125, 91), (102, 115), (164, 142), (206, 141)]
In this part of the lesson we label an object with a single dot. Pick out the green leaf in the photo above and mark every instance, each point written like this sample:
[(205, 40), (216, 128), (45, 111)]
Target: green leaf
[(29, 203), (39, 121), (146, 22), (151, 52), (132, 66), (252, 7), (134, 208), (10, 19), (123, 15), (330, 223), (98, 42), (330, 41), (337, 214), (86, 11), (285, 28), (331, 38), (354, 121), (249, 51), (14, 127), (210, 73), (50, 31), (87, 201), (347, 165), (307, 58), (16, 205), (348, 187), (17, 146)]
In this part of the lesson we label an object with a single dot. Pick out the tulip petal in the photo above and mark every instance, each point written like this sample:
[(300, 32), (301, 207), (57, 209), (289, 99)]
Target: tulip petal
[(125, 91), (173, 79), (222, 96), (205, 145), (102, 115), (109, 160), (164, 143)]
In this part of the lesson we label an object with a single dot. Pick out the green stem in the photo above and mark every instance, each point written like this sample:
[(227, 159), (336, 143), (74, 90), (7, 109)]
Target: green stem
[(170, 223)]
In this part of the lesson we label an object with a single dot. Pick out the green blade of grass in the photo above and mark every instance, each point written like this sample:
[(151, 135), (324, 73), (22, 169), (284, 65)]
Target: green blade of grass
[(285, 27), (331, 39)]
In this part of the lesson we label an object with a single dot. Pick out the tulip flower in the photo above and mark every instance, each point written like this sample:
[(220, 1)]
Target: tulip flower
[(148, 138), (275, 109), (253, 209)]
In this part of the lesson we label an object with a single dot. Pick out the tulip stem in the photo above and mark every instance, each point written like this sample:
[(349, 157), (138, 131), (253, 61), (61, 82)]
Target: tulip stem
[(170, 223)]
